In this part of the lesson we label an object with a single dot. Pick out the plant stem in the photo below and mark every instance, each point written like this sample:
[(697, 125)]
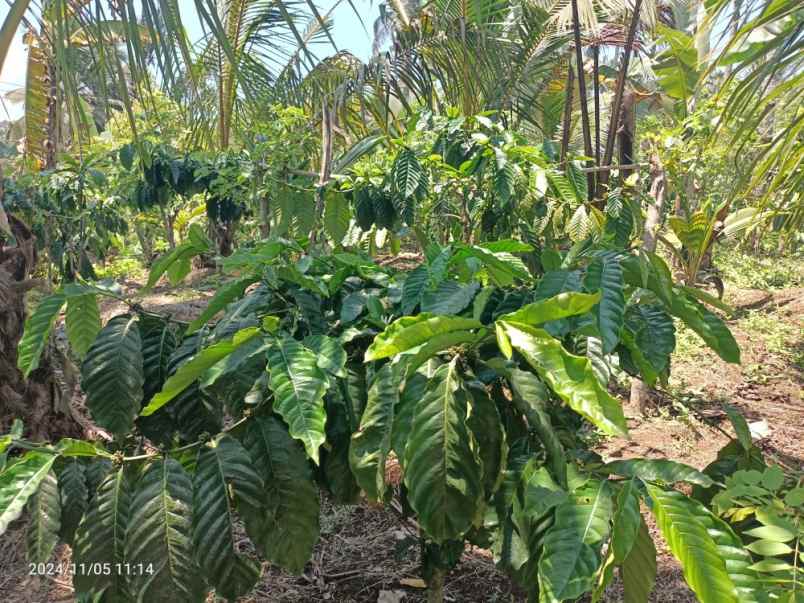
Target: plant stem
[(435, 586)]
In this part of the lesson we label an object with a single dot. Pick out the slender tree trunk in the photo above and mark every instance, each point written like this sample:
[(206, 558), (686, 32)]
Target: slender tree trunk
[(587, 135), (596, 82), (640, 391), (326, 166), (566, 126), (167, 221), (619, 88)]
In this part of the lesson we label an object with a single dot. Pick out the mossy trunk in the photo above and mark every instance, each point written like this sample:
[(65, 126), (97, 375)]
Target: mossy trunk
[(38, 400)]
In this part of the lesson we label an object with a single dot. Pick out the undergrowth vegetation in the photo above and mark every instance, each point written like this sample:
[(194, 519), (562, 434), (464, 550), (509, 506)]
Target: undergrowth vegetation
[(430, 280)]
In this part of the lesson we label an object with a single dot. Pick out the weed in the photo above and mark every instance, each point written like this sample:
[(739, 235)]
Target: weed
[(773, 332), (759, 271)]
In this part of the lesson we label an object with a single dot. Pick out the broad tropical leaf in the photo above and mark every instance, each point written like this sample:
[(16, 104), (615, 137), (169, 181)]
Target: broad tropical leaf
[(222, 298), (449, 297), (336, 217), (659, 470), (650, 336), (442, 472), (159, 341), (19, 481), (690, 542), (37, 330), (44, 510), (569, 376), (412, 331), (413, 288), (112, 375), (189, 372), (222, 468), (101, 535), (406, 173), (83, 322), (485, 423), (707, 325), (74, 496), (299, 386), (627, 519), (605, 275), (288, 529), (159, 536), (371, 443), (331, 354), (639, 567), (554, 308), (570, 557)]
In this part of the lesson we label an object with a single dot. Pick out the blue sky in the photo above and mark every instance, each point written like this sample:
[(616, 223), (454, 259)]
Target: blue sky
[(348, 35)]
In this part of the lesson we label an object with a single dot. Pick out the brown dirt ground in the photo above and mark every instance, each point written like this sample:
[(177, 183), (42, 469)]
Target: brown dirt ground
[(368, 554)]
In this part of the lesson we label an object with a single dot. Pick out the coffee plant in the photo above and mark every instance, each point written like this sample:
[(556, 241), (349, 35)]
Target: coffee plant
[(482, 378)]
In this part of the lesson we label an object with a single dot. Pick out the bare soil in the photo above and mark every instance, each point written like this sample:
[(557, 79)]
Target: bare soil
[(369, 554)]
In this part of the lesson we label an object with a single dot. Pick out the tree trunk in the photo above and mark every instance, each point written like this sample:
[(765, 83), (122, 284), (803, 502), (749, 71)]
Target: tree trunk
[(41, 402), (640, 391)]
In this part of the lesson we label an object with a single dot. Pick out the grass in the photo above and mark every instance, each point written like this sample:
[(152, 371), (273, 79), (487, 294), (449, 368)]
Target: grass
[(746, 270), (122, 267)]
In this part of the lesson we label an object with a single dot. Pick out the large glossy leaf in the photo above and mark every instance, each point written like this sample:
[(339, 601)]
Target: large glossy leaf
[(193, 411), (224, 474), (442, 472), (342, 422), (336, 217), (222, 298), (37, 330), (159, 536), (288, 528), (485, 423), (83, 322), (606, 276), (101, 535), (650, 337), (158, 344), (739, 563), (18, 482), (570, 557), (553, 308), (413, 288), (626, 522), (412, 331), (691, 543), (332, 355), (406, 173), (413, 390), (189, 372), (44, 511), (569, 376), (74, 496), (449, 297), (299, 386), (639, 567), (179, 256), (112, 375), (503, 267), (231, 378), (659, 470), (530, 397), (371, 443), (707, 325)]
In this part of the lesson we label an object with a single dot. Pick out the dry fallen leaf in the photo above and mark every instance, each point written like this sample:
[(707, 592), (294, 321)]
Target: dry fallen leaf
[(413, 582)]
